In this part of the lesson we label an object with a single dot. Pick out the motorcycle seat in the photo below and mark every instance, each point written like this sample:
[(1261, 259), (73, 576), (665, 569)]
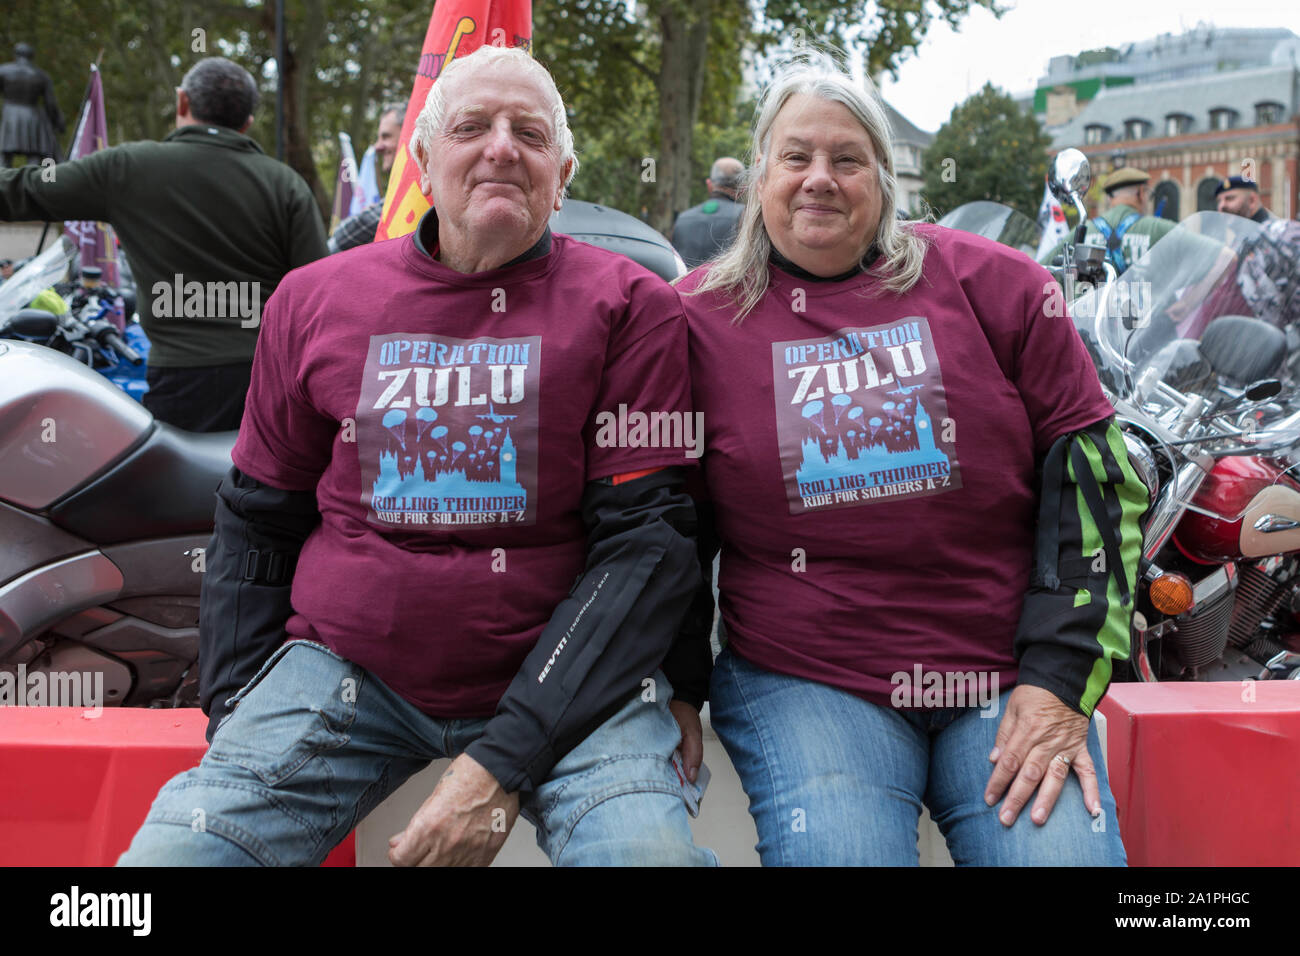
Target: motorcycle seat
[(165, 486)]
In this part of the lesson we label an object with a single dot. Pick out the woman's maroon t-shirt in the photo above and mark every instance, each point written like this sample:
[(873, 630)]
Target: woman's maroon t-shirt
[(871, 459), (448, 424)]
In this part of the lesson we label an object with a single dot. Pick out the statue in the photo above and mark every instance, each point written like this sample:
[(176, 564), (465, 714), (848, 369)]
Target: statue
[(24, 127)]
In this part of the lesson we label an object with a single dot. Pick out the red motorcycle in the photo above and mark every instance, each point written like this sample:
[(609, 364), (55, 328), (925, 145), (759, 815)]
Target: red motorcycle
[(1194, 358)]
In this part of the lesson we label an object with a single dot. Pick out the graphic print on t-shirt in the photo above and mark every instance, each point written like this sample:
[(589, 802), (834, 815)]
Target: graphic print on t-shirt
[(447, 430), (860, 417)]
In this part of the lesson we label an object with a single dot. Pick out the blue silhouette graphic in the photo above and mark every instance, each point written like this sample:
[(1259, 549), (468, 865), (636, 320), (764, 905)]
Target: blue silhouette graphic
[(422, 458), (841, 442)]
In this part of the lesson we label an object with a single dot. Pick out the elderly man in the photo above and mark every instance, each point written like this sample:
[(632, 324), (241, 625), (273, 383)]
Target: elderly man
[(359, 229), (702, 231), (1240, 196), (488, 573), (212, 224)]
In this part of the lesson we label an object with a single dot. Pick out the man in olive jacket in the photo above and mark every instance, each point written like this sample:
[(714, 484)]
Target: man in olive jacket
[(211, 223)]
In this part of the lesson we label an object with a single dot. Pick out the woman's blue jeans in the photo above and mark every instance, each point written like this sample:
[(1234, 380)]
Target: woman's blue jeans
[(835, 780), (315, 742)]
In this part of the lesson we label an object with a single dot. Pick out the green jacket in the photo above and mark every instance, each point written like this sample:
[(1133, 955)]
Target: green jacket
[(1140, 237), (211, 224)]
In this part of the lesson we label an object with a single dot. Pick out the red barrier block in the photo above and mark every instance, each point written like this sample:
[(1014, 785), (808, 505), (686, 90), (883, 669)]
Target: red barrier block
[(75, 788), (1206, 774)]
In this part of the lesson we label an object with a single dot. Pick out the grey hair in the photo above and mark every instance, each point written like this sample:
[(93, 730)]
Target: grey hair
[(221, 92), (399, 109), (724, 175), (741, 271), (429, 122)]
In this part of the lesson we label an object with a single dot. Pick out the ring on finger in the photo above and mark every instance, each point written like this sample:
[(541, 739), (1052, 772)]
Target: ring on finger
[(1063, 758)]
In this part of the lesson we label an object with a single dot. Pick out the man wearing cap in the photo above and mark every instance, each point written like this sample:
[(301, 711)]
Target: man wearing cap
[(1124, 229), (1240, 196)]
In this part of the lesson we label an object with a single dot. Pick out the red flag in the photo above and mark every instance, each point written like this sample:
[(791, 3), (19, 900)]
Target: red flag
[(456, 28), (94, 240)]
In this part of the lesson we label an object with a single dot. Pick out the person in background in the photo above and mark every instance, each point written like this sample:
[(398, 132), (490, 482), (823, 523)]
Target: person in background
[(702, 231), (1124, 229), (1240, 197), (212, 225), (359, 229)]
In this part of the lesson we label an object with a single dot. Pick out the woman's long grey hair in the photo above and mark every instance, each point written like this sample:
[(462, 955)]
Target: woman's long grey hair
[(740, 272)]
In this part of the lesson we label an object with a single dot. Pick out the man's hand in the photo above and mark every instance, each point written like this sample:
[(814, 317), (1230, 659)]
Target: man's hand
[(1039, 741), (464, 822), (692, 745)]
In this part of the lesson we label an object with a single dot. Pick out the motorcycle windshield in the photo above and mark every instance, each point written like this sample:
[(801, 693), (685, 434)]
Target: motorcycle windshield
[(42, 272), (995, 221), (1200, 311)]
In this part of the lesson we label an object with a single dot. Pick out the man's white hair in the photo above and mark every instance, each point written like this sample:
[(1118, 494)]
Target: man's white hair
[(429, 122), (740, 271)]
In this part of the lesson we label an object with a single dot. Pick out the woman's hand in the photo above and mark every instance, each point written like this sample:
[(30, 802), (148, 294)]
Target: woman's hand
[(1039, 741), (692, 745)]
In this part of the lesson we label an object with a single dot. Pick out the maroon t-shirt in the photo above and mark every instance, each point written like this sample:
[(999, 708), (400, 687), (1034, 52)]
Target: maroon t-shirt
[(448, 424), (871, 461)]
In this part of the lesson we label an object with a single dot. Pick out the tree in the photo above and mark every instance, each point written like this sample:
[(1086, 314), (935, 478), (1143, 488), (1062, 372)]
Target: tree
[(645, 80), (988, 149), (343, 59), (653, 85)]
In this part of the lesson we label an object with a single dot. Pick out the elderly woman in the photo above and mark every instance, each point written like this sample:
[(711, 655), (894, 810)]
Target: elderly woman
[(901, 425)]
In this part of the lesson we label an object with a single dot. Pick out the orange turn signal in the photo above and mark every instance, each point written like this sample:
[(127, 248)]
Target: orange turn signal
[(1171, 593)]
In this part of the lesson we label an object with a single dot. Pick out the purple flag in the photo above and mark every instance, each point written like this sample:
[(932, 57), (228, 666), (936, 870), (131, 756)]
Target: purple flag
[(345, 183), (94, 240)]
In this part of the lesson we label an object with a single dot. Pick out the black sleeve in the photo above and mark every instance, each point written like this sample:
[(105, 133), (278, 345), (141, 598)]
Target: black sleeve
[(1079, 608), (244, 601), (689, 663), (607, 636)]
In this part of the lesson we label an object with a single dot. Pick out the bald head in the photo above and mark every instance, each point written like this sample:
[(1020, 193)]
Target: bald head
[(726, 176)]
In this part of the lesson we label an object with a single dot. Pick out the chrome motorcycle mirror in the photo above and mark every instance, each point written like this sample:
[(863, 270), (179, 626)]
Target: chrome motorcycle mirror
[(1070, 176)]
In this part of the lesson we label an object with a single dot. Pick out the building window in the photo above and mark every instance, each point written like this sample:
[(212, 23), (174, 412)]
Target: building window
[(1205, 195), (1164, 200), (1223, 118), (1176, 124), (1096, 133), (1266, 114), (1136, 129)]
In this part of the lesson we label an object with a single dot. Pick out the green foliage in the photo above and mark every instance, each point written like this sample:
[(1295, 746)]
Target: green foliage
[(347, 57), (996, 153)]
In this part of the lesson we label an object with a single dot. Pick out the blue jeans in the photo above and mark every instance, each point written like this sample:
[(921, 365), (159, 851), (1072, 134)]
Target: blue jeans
[(315, 743), (835, 780)]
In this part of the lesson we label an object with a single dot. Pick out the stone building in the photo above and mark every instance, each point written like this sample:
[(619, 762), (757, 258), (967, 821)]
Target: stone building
[(1191, 110)]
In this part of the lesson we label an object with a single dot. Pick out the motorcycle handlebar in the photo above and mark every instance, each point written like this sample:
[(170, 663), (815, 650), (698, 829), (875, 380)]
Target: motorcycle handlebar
[(118, 345)]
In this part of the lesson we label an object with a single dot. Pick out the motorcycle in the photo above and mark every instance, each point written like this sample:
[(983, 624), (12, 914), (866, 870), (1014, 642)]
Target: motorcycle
[(85, 333), (1211, 418), (993, 220)]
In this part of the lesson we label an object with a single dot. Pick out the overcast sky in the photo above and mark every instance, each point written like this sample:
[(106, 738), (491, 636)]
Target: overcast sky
[(1012, 52)]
